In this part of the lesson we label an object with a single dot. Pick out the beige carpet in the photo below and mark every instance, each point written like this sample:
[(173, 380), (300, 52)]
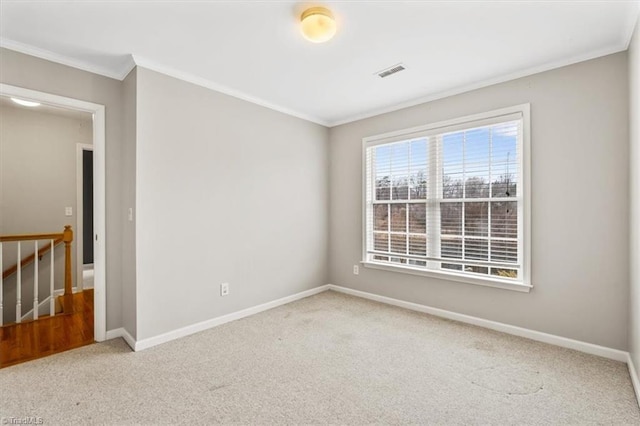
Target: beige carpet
[(329, 358)]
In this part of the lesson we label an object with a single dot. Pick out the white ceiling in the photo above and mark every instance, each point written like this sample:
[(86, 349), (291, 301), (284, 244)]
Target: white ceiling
[(253, 49)]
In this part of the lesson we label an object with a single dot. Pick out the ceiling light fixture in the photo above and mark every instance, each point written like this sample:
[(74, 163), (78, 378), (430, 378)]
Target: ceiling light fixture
[(25, 103), (318, 24)]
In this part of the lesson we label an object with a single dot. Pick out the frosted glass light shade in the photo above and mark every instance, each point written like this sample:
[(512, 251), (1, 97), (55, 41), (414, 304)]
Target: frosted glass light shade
[(25, 102), (317, 24)]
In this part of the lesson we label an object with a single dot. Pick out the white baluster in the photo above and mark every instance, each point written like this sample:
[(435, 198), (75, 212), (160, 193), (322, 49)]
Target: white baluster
[(52, 300), (19, 288), (35, 281), (1, 288)]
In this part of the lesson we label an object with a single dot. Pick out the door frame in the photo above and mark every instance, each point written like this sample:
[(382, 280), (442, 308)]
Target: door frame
[(80, 148), (99, 191)]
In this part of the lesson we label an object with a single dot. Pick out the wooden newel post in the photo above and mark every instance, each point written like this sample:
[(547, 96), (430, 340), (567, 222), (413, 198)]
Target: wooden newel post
[(67, 238)]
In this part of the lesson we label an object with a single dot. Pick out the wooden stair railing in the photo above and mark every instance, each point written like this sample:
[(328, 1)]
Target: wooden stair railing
[(67, 299), (29, 259)]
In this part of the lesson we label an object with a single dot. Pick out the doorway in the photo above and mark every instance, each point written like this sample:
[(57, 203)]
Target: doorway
[(85, 230), (98, 235)]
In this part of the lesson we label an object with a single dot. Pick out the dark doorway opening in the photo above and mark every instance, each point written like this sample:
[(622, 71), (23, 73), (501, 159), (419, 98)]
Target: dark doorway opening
[(87, 207)]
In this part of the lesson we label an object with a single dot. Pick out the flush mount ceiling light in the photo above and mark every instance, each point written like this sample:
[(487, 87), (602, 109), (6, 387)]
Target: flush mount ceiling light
[(25, 103), (318, 24)]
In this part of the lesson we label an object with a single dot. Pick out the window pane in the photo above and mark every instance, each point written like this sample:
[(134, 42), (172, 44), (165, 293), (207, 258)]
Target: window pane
[(398, 243), (399, 218), (383, 188), (452, 266), (476, 220), (451, 248), (476, 269), (400, 171), (504, 219), (451, 218), (476, 249), (452, 165), (504, 159), (504, 251), (383, 172), (418, 245), (504, 273), (476, 159), (418, 170), (478, 177), (381, 241), (381, 217), (418, 218)]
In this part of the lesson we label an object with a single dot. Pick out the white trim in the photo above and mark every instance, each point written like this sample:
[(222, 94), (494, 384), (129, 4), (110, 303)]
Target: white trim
[(121, 332), (99, 200), (512, 113), (481, 84), (450, 276), (214, 322), (563, 342), (520, 112), (589, 348), (633, 20), (635, 379), (65, 60), (140, 61), (203, 82), (80, 148)]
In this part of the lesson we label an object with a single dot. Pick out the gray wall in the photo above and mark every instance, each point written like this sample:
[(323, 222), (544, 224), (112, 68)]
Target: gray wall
[(37, 182), (580, 261), (129, 89), (226, 191), (634, 122), (33, 73)]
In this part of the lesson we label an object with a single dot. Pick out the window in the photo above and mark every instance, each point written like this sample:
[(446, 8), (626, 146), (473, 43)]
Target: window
[(451, 199)]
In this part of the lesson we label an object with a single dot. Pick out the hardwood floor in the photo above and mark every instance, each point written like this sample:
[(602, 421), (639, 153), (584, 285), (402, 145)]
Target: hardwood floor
[(48, 335)]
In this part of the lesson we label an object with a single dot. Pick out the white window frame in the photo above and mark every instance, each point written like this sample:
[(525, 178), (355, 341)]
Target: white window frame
[(524, 227)]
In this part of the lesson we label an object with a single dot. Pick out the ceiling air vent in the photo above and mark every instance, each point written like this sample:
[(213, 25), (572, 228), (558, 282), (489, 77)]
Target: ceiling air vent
[(394, 69)]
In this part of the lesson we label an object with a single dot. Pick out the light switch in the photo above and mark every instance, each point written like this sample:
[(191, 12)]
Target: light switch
[(68, 211), (130, 214)]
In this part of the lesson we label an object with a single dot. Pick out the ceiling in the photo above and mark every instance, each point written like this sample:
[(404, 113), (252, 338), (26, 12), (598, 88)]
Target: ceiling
[(254, 50)]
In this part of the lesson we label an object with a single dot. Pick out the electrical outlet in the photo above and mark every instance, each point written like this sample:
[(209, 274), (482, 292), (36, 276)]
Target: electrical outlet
[(356, 269), (68, 211), (224, 289)]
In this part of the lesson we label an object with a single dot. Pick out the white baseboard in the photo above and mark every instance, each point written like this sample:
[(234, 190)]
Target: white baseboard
[(122, 332), (214, 322), (634, 377), (564, 342)]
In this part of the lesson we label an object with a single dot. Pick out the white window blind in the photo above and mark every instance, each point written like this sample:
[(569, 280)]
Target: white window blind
[(449, 198)]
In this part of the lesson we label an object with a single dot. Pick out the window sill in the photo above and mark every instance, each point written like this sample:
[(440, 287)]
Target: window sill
[(487, 282)]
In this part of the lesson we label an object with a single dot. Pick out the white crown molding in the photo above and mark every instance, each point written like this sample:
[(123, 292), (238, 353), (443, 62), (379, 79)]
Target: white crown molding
[(60, 59), (136, 60), (128, 67), (634, 20), (479, 85), (563, 342), (203, 82)]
